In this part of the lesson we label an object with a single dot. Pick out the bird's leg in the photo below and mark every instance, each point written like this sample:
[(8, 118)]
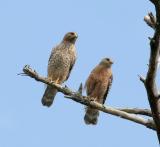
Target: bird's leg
[(56, 81)]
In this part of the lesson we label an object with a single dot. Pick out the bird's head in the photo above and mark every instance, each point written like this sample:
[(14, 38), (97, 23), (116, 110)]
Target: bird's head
[(70, 37), (106, 62)]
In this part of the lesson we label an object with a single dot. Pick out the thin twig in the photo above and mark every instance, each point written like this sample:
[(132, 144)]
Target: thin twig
[(142, 79)]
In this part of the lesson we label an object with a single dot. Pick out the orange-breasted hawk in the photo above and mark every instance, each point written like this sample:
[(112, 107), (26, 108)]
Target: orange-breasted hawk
[(97, 87), (60, 64)]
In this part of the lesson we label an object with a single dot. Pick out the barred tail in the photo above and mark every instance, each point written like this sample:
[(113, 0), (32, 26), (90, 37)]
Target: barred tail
[(91, 116), (48, 96)]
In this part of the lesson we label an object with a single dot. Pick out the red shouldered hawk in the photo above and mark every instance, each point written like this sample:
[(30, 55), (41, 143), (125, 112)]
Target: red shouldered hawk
[(60, 64), (97, 87)]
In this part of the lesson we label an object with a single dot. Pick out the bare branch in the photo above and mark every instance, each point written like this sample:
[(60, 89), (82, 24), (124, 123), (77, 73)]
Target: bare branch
[(145, 112), (80, 89), (150, 83), (142, 79), (76, 96), (150, 20)]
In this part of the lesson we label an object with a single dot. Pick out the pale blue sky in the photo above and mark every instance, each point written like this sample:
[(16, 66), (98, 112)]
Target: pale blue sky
[(28, 31)]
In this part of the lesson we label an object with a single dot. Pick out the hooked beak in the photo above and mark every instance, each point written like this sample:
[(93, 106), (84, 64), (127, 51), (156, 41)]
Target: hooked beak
[(76, 35), (111, 62)]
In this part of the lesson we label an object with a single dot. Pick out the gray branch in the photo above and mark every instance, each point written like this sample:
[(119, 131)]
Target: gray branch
[(145, 112), (77, 97)]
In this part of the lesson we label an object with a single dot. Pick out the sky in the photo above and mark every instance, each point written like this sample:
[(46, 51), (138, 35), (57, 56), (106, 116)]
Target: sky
[(28, 31)]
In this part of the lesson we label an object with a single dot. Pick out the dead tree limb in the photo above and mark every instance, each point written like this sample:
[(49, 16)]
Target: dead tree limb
[(150, 81), (145, 112), (150, 20), (77, 97)]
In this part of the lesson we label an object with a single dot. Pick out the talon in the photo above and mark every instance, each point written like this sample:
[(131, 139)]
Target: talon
[(92, 99), (66, 86), (50, 79)]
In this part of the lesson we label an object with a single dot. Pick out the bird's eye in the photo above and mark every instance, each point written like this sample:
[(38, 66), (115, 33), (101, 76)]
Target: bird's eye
[(107, 59), (72, 33)]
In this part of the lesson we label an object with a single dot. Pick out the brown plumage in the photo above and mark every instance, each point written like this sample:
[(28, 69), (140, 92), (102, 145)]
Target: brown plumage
[(60, 64), (97, 87)]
